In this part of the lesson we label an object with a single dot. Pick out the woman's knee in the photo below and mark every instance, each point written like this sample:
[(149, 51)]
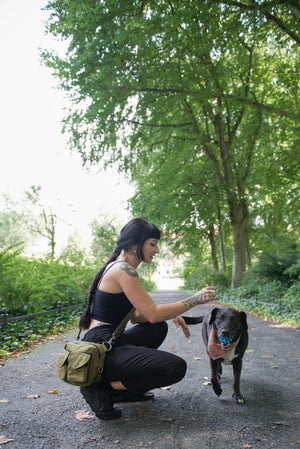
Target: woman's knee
[(174, 368), (180, 369), (159, 332)]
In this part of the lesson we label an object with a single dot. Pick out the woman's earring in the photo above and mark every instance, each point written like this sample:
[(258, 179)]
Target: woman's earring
[(134, 251)]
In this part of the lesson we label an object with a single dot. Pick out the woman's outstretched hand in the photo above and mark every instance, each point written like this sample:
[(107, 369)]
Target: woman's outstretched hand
[(207, 294), (180, 323)]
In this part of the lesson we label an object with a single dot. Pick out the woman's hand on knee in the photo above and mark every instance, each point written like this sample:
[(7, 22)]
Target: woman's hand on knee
[(180, 323)]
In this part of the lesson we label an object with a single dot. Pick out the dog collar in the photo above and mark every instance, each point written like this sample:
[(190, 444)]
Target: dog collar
[(217, 350)]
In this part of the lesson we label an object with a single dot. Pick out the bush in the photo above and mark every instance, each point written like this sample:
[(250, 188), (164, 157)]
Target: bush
[(284, 268), (196, 278), (266, 298), (34, 285)]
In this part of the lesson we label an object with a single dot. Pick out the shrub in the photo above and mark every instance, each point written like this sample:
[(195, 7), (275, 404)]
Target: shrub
[(284, 268), (34, 285), (202, 276)]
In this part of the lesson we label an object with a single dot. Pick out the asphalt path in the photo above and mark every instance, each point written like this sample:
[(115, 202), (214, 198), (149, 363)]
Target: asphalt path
[(187, 415)]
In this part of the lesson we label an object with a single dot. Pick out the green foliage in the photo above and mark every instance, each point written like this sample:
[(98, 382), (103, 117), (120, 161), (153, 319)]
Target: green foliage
[(105, 232), (283, 268), (270, 289), (75, 253), (202, 276), (271, 300), (148, 284), (21, 334), (197, 127), (34, 285)]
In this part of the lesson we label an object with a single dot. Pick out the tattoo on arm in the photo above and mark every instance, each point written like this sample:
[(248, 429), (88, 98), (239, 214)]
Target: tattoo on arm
[(190, 302), (129, 270), (195, 300)]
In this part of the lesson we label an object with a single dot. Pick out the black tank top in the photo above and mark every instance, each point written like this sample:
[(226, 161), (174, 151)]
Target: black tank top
[(110, 307)]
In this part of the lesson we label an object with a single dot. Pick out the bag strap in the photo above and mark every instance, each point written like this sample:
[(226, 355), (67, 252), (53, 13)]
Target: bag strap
[(118, 331), (107, 269), (122, 326)]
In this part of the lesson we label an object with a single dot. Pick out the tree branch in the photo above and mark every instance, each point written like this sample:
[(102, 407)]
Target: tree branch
[(262, 10)]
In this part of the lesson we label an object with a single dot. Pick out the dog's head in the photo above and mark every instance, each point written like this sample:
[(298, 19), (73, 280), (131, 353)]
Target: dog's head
[(228, 324)]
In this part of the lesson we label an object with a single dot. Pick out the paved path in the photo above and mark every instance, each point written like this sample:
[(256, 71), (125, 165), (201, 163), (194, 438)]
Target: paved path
[(189, 415)]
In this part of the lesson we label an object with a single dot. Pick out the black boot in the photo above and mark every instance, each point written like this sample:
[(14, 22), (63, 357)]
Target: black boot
[(127, 396), (101, 401)]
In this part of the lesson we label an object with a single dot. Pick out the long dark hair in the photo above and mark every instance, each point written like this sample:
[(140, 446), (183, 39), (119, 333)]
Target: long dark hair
[(135, 232)]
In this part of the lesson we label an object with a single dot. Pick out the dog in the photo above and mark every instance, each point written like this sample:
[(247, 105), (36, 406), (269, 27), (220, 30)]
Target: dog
[(225, 335)]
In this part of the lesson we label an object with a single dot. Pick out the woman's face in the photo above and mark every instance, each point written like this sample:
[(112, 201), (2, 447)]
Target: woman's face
[(150, 248)]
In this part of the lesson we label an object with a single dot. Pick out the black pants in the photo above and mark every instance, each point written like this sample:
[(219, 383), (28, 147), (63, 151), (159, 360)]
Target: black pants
[(135, 359)]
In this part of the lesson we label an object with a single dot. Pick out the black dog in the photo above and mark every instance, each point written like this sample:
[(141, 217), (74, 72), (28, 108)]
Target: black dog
[(225, 334)]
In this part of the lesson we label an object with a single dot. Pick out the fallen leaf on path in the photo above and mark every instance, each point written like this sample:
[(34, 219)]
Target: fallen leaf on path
[(81, 415), (52, 391), (282, 423), (170, 436), (33, 396), (274, 367), (207, 383), (4, 400), (247, 445), (191, 341), (52, 366), (197, 358), (249, 351), (4, 439), (165, 388)]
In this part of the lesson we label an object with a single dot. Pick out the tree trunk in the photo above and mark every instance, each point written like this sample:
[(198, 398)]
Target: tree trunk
[(240, 231), (211, 236), (222, 246)]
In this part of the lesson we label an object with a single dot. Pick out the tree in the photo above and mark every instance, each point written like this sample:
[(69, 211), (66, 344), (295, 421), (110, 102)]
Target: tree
[(196, 82), (14, 230), (75, 253), (45, 223), (105, 232)]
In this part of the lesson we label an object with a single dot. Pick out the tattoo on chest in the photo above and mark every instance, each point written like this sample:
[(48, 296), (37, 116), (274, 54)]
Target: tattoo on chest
[(129, 270)]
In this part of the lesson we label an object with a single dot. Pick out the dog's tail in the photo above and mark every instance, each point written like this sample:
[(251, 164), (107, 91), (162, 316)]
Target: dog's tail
[(193, 320)]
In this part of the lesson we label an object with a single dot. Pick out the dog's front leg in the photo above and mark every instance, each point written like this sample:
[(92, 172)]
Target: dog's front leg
[(215, 375), (237, 369)]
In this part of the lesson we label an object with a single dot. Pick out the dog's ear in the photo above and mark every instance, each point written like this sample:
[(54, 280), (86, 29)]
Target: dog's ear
[(213, 314), (244, 319)]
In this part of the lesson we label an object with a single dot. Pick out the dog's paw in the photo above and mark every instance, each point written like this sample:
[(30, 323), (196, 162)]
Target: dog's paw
[(239, 399), (217, 388)]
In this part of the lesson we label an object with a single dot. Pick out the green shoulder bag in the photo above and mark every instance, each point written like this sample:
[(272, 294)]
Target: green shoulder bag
[(81, 363)]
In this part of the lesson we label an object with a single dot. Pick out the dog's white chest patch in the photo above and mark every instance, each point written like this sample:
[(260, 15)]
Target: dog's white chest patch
[(227, 360)]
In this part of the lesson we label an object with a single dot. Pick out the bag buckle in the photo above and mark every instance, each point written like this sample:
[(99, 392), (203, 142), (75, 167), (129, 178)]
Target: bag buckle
[(108, 344)]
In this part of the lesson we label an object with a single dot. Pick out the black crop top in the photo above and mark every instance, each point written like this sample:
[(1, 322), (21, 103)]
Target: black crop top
[(110, 307)]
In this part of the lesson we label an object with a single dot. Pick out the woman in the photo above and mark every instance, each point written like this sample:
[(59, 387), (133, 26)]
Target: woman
[(134, 365)]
